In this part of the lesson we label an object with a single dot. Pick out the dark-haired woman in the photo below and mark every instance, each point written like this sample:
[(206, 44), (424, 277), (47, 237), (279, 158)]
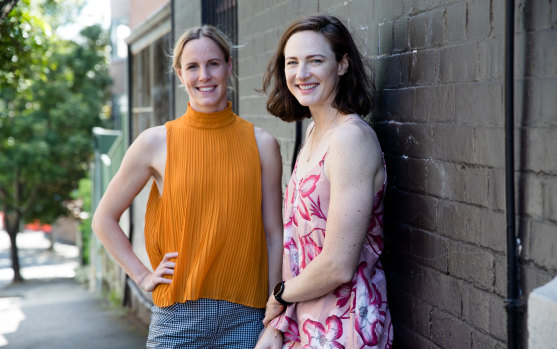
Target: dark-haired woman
[(333, 293)]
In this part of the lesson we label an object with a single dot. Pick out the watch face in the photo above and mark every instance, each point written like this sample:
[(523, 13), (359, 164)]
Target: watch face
[(278, 288)]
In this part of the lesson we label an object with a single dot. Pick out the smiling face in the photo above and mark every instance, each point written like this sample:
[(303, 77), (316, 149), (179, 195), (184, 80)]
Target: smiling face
[(204, 73), (311, 70)]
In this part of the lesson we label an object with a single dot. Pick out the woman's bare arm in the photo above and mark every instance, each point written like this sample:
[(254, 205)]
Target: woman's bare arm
[(271, 175), (353, 166), (141, 162)]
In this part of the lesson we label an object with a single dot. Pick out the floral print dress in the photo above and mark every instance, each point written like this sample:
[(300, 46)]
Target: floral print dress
[(356, 314)]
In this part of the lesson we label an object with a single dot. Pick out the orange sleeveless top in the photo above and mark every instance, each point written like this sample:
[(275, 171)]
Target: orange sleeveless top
[(209, 212)]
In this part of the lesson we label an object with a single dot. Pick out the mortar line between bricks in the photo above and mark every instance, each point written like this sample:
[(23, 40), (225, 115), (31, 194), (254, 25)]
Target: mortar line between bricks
[(449, 239), (468, 165), (495, 210)]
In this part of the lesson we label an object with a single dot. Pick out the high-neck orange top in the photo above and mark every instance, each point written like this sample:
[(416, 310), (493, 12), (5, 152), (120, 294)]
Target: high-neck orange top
[(209, 212)]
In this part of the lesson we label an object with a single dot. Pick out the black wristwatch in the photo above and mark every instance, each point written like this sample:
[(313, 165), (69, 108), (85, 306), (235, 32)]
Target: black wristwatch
[(279, 289)]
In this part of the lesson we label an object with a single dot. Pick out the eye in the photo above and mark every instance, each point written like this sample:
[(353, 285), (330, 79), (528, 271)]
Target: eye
[(191, 67), (213, 64), (316, 61), (291, 63)]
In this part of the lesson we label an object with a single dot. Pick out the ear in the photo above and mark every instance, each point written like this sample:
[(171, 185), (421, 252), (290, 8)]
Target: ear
[(343, 65), (179, 73), (229, 66)]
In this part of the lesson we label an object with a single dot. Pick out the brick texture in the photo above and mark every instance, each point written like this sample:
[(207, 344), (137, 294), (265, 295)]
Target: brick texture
[(440, 118), (438, 68), (140, 10)]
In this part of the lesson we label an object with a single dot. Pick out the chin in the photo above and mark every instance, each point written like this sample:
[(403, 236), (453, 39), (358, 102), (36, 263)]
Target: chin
[(306, 103)]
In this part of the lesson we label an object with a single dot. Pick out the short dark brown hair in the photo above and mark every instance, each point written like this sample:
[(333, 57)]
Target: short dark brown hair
[(354, 91)]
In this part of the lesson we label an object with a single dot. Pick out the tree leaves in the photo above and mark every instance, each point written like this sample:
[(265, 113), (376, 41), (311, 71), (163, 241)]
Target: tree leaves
[(52, 94)]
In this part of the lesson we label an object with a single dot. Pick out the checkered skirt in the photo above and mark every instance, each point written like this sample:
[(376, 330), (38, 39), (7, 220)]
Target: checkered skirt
[(205, 323)]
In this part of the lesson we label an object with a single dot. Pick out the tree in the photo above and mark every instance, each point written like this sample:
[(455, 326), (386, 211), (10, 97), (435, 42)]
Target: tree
[(51, 96)]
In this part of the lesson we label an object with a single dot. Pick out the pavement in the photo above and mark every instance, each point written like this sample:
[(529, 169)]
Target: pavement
[(53, 310)]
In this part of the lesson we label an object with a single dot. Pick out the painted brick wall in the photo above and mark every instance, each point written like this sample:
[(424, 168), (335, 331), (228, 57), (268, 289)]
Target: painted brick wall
[(260, 24), (140, 10), (440, 118), (536, 139), (441, 122)]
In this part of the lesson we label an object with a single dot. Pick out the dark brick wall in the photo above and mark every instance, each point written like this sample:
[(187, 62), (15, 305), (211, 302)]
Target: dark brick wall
[(536, 139), (440, 117), (439, 72)]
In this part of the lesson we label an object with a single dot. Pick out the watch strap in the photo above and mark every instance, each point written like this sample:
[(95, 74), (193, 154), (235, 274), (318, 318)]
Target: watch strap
[(279, 289)]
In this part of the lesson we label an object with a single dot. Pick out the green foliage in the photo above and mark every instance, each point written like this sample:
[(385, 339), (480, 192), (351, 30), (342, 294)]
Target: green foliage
[(59, 12), (84, 194), (51, 96), (23, 46)]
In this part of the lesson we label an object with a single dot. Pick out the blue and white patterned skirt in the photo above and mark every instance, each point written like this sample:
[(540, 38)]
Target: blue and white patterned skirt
[(205, 323)]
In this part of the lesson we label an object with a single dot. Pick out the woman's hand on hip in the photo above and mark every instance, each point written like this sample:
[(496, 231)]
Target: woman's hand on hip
[(150, 280)]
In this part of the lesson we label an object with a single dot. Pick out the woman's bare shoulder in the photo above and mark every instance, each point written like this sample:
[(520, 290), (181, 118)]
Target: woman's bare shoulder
[(355, 132), (264, 138), (354, 147), (149, 145), (153, 136)]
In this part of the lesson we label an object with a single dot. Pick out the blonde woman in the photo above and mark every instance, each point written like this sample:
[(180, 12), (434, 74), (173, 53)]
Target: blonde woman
[(213, 229)]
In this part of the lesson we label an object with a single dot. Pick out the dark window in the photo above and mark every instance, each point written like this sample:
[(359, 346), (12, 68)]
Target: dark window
[(151, 83), (223, 14)]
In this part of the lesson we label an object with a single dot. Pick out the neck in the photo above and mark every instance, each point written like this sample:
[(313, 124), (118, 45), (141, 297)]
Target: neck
[(217, 119), (323, 116), (207, 109)]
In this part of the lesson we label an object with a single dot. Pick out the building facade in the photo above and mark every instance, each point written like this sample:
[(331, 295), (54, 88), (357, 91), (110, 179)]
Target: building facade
[(439, 72)]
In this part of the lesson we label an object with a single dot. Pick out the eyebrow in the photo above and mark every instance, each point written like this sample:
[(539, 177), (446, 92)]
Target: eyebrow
[(209, 60), (307, 57)]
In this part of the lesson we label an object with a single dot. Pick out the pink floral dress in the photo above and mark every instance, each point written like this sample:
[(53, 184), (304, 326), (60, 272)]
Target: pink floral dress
[(356, 314)]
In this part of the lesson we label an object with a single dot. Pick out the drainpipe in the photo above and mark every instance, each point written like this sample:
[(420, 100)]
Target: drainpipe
[(513, 304)]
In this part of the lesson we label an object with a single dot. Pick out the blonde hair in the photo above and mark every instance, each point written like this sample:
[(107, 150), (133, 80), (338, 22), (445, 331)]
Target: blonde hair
[(207, 31)]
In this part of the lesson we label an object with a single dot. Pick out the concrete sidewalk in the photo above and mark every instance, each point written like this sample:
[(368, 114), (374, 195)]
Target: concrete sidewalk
[(52, 310)]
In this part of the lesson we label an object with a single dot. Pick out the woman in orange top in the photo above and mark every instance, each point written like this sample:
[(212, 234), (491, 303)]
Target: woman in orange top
[(213, 227)]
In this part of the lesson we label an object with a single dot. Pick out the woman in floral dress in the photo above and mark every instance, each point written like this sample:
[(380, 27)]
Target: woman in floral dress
[(333, 293)]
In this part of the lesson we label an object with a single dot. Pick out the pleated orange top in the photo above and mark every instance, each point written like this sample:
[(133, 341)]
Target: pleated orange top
[(209, 212)]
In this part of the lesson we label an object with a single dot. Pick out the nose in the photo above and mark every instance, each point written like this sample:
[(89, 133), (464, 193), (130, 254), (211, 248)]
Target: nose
[(302, 73), (204, 74)]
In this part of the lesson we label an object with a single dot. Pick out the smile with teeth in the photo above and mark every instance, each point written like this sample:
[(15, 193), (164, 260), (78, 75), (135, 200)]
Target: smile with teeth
[(308, 86), (206, 89)]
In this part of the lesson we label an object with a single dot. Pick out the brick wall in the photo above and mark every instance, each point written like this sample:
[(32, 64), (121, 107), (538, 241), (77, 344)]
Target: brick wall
[(440, 117), (260, 24), (441, 122), (536, 139), (140, 10)]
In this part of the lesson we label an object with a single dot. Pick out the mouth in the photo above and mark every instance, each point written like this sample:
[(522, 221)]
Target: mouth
[(206, 88), (306, 87)]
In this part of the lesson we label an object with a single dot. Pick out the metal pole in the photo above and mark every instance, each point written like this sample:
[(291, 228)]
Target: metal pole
[(514, 305)]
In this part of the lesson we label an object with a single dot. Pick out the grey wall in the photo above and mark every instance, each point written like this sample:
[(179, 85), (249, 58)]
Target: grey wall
[(440, 118)]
